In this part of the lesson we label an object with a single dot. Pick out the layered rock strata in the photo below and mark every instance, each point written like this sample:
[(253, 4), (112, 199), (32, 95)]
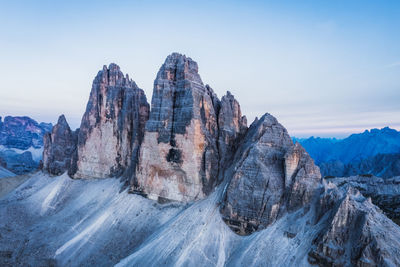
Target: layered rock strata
[(232, 128), (179, 155), (60, 145), (270, 176), (384, 192), (112, 127), (354, 232)]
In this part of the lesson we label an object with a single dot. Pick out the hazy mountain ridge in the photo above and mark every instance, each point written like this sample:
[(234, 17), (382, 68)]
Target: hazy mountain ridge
[(21, 143), (375, 151)]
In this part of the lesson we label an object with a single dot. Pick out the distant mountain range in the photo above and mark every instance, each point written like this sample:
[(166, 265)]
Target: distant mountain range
[(21, 143), (375, 151)]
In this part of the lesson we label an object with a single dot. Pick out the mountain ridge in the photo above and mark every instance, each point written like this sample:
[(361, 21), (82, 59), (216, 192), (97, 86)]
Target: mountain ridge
[(363, 153), (207, 189)]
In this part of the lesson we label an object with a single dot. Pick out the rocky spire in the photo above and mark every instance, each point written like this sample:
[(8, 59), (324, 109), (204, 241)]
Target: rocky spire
[(270, 175), (232, 127), (112, 127), (179, 155), (59, 148)]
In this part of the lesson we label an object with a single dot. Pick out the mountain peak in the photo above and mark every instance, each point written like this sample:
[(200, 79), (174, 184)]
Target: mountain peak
[(113, 76), (62, 120), (178, 67)]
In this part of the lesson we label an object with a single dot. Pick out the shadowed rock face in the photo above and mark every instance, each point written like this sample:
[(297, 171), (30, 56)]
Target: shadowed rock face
[(179, 156), (270, 175), (232, 128), (60, 148), (112, 127)]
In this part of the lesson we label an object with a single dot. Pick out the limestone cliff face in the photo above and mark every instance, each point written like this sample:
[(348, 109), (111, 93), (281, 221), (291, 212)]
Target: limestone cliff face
[(232, 128), (112, 127), (270, 175), (60, 148), (179, 154)]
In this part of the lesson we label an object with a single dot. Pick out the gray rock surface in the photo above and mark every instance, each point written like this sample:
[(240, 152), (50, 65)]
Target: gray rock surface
[(179, 155), (232, 128), (270, 176), (356, 233), (112, 127), (60, 148), (269, 193), (60, 221), (384, 192)]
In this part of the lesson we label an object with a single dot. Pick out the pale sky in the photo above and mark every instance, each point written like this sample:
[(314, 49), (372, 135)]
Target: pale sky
[(322, 68)]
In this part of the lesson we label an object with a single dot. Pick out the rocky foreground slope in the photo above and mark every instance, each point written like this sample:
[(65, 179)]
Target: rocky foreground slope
[(233, 195), (5, 173)]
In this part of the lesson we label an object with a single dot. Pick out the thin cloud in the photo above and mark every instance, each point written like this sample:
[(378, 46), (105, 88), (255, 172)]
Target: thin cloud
[(393, 65)]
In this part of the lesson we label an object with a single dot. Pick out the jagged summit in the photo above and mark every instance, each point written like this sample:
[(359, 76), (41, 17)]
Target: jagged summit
[(178, 67), (179, 155), (114, 121), (191, 147), (59, 153), (113, 76), (270, 175), (62, 120)]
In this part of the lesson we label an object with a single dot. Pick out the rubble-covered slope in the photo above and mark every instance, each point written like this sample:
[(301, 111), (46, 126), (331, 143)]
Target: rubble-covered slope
[(64, 222), (5, 173), (244, 196)]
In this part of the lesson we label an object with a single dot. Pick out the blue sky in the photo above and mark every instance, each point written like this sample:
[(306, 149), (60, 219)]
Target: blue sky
[(322, 68)]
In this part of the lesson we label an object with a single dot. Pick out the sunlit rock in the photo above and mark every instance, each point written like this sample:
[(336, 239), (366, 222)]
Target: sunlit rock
[(112, 127), (179, 155)]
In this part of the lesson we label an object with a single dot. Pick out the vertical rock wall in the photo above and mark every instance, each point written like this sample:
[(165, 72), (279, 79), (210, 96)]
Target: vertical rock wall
[(112, 126), (232, 128), (59, 148), (270, 175), (179, 155)]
